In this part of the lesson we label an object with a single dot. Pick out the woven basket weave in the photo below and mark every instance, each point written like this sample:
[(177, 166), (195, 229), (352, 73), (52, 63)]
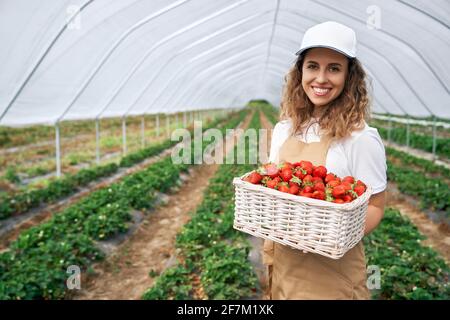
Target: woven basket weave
[(313, 225)]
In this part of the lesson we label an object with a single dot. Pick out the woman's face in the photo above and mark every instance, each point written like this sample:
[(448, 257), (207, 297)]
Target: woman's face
[(324, 74)]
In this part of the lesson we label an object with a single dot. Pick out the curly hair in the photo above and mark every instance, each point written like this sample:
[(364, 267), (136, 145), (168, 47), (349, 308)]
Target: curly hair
[(341, 117)]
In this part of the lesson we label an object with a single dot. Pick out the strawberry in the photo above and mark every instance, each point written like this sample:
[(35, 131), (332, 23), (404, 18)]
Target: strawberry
[(329, 177), (316, 180), (338, 201), (320, 172), (319, 195), (307, 166), (283, 187), (308, 179), (347, 198), (295, 180), (347, 185), (308, 189), (333, 183), (306, 194), (286, 165), (319, 186), (359, 190), (294, 188), (338, 191), (255, 177), (296, 164), (360, 183), (272, 183), (299, 172), (286, 174), (349, 179)]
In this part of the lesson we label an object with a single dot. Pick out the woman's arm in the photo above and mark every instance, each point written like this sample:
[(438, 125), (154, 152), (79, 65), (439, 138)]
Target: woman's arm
[(375, 211)]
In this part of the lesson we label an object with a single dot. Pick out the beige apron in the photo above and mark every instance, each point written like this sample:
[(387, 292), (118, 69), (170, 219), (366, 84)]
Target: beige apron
[(294, 274)]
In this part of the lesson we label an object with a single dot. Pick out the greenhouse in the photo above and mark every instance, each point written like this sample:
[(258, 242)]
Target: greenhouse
[(161, 150)]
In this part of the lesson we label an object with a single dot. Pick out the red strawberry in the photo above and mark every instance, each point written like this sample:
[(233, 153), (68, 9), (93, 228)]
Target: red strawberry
[(308, 189), (319, 195), (299, 173), (294, 188), (319, 186), (359, 189), (329, 177), (333, 183), (308, 179), (338, 201), (272, 183), (347, 185), (307, 166), (286, 165), (320, 172), (338, 191), (306, 194), (347, 198), (255, 177), (286, 174), (317, 180), (360, 183), (283, 187), (349, 179)]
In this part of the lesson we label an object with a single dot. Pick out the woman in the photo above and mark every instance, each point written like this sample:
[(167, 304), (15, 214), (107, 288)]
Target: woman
[(323, 110)]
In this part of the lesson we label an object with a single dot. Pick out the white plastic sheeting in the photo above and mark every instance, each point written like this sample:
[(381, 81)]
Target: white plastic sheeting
[(78, 59)]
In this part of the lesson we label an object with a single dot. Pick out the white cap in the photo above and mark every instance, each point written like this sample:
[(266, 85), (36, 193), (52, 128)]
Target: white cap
[(330, 35)]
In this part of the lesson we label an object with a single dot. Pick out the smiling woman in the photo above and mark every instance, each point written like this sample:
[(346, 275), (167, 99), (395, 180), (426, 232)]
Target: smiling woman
[(326, 91)]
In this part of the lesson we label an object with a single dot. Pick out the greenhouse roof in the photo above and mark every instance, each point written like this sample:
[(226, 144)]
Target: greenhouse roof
[(86, 59)]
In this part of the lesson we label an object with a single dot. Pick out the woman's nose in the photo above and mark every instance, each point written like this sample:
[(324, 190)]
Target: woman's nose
[(322, 77)]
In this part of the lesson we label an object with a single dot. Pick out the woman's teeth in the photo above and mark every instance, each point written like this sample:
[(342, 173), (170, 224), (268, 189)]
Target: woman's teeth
[(321, 91)]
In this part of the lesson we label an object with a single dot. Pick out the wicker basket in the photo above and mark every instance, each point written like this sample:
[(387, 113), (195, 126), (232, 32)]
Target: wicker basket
[(317, 226)]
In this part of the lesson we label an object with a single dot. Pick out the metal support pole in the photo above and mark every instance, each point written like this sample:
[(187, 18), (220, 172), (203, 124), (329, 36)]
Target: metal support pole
[(124, 136), (143, 131), (389, 128), (97, 141), (407, 132), (157, 125), (58, 151), (434, 137)]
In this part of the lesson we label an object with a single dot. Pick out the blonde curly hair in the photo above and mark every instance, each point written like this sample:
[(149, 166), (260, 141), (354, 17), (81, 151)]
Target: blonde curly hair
[(341, 117)]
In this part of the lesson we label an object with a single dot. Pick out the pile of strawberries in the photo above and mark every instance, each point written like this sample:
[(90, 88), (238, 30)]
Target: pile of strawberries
[(304, 179)]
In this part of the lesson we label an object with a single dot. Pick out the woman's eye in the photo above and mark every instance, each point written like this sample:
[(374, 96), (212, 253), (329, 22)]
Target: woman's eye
[(311, 66), (334, 69)]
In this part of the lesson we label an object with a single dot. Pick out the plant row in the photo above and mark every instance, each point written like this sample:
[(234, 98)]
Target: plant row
[(433, 193), (423, 165), (408, 269), (417, 141), (23, 201), (213, 263), (35, 266)]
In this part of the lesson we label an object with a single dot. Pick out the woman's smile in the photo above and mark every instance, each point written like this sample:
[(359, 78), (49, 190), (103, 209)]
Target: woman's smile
[(320, 92)]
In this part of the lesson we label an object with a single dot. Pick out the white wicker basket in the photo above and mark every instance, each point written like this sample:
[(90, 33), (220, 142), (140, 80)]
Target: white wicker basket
[(325, 228)]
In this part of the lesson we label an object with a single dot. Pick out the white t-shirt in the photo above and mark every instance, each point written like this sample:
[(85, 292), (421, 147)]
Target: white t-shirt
[(361, 155)]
